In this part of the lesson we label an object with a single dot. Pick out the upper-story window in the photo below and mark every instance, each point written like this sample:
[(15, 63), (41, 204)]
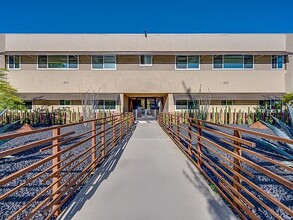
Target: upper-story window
[(104, 62), (233, 62), (58, 62), (13, 62), (146, 60), (277, 61), (187, 62)]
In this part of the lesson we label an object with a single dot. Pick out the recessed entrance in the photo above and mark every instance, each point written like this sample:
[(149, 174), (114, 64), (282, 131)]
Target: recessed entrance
[(145, 107)]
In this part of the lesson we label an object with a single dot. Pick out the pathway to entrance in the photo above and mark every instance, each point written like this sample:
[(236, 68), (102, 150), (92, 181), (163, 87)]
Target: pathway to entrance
[(148, 178)]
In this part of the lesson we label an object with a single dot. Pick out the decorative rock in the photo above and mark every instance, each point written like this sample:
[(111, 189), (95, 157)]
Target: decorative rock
[(24, 128), (258, 125)]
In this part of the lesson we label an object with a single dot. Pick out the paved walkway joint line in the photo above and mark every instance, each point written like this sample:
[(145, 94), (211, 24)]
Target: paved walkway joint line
[(147, 178)]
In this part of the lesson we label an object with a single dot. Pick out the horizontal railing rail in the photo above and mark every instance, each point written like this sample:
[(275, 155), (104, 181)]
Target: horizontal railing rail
[(51, 164), (255, 182)]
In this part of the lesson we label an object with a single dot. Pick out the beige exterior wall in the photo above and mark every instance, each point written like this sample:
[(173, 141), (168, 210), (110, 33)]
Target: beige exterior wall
[(161, 78), (2, 43), (28, 80), (289, 75), (2, 62), (139, 43)]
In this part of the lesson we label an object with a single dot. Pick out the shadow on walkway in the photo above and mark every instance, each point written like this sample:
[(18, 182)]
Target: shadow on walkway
[(216, 205), (101, 174)]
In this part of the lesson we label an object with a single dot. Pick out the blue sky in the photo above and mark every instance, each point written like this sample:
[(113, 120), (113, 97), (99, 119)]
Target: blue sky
[(154, 16)]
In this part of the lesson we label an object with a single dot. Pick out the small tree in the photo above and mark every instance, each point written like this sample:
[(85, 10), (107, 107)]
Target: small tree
[(288, 99), (8, 95), (89, 101)]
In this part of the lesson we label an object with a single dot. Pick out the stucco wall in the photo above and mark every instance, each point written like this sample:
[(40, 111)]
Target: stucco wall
[(140, 43), (216, 81)]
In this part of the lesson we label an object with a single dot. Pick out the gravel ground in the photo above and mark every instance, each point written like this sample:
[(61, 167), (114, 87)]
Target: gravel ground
[(267, 184), (28, 157)]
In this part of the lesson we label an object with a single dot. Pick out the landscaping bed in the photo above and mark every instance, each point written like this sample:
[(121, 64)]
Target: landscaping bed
[(23, 159)]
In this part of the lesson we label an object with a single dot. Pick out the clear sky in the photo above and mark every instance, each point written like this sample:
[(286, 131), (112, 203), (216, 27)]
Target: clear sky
[(154, 16)]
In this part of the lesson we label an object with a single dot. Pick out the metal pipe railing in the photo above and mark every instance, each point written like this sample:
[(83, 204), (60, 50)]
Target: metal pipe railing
[(68, 161), (224, 155)]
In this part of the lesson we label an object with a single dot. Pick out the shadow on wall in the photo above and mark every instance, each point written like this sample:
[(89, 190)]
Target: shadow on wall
[(101, 174), (216, 205)]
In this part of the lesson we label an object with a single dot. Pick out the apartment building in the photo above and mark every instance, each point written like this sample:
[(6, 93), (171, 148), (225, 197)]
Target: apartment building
[(149, 71)]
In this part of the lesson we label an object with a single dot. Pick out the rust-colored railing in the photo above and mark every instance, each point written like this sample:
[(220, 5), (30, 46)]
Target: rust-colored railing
[(58, 162), (248, 178)]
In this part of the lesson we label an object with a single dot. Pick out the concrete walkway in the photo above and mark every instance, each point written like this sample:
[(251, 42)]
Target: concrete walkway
[(151, 179)]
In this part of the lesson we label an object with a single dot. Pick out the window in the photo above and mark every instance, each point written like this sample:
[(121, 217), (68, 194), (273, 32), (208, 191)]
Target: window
[(13, 62), (104, 62), (233, 62), (65, 102), (218, 62), (58, 62), (105, 105), (277, 61), (185, 104), (28, 104), (146, 60), (187, 62), (226, 102), (110, 104), (181, 104), (270, 104)]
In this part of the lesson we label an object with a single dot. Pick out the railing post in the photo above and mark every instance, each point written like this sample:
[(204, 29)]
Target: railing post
[(236, 161), (127, 123), (199, 123), (113, 130), (166, 122), (178, 125), (121, 126), (190, 137), (158, 119), (94, 142), (170, 124), (103, 136), (56, 178)]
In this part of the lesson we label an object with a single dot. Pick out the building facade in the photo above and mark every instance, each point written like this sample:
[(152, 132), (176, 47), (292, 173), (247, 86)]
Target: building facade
[(155, 71)]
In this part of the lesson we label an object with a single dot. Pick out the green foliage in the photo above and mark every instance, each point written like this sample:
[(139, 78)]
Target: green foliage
[(257, 113), (220, 118), (230, 115), (239, 121), (288, 99), (8, 95), (213, 187), (250, 117), (47, 117)]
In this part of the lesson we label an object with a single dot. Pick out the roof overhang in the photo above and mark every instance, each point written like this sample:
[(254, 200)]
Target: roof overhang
[(229, 96), (68, 96), (90, 53)]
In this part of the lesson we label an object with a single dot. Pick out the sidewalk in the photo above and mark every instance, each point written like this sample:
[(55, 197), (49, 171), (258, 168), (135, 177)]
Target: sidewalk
[(152, 180)]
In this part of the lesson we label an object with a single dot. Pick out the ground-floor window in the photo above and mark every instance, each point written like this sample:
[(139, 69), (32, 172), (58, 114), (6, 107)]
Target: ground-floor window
[(226, 102), (28, 104), (184, 104), (65, 103), (270, 104), (106, 105)]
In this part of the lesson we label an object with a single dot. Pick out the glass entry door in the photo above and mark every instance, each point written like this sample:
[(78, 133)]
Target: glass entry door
[(145, 108)]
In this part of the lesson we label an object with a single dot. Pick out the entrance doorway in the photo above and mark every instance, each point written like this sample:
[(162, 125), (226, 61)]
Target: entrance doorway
[(146, 107)]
